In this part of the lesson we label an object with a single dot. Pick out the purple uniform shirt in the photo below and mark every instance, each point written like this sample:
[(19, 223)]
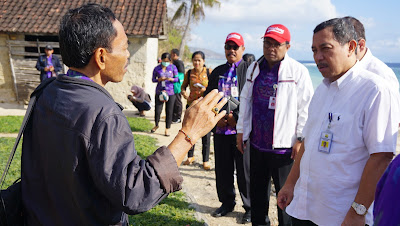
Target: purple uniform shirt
[(262, 133), (225, 83), (387, 196), (49, 63), (170, 72), (75, 74)]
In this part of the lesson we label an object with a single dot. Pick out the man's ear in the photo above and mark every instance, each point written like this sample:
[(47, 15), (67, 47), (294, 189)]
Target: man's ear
[(100, 58), (352, 47), (362, 45)]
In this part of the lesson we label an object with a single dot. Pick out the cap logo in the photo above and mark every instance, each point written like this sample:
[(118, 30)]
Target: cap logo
[(233, 36), (275, 29)]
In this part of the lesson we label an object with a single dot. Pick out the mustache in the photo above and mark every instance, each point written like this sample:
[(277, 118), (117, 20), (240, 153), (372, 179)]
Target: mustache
[(229, 54), (322, 65)]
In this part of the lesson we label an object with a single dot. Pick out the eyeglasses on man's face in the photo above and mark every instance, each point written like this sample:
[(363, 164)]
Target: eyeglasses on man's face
[(229, 47), (268, 44)]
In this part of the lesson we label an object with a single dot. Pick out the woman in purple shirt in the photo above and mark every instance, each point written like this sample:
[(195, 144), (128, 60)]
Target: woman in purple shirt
[(165, 74)]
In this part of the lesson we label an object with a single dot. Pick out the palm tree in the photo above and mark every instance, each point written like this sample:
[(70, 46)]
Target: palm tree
[(195, 12)]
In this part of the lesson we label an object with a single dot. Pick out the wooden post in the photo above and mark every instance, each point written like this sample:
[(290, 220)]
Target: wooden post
[(12, 68)]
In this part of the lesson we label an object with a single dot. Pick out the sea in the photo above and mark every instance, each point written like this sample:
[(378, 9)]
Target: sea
[(316, 76)]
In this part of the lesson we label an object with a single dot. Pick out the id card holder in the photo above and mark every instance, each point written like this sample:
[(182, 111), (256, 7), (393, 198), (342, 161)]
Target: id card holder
[(234, 91), (325, 142), (272, 102), (163, 83)]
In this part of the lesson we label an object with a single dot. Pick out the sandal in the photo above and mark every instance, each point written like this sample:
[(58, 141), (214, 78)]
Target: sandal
[(206, 166), (154, 129), (166, 133), (189, 161)]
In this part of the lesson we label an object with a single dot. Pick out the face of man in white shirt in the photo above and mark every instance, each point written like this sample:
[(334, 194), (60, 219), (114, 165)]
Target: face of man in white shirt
[(332, 58)]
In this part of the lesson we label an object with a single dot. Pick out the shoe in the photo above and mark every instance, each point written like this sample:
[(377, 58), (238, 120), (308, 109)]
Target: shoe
[(154, 129), (176, 121), (166, 133), (141, 114), (189, 161), (206, 166), (222, 211), (246, 217)]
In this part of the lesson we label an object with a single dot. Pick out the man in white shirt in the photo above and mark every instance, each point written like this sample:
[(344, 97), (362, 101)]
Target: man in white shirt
[(350, 137), (369, 61)]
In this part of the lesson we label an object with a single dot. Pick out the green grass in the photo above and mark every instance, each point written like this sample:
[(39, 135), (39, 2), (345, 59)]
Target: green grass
[(173, 210), (11, 124)]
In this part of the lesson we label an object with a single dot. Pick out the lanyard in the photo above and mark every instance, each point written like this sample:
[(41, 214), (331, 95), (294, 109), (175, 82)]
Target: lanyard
[(330, 116)]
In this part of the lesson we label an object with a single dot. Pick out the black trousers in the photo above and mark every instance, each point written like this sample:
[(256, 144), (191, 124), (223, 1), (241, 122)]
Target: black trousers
[(298, 222), (227, 158), (263, 166), (141, 106), (169, 107), (205, 141), (177, 114)]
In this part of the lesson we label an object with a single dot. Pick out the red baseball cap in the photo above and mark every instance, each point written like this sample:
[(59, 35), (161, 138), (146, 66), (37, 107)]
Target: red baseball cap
[(278, 32), (236, 38)]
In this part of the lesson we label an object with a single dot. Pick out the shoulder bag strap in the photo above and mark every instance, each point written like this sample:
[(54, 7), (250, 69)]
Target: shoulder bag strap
[(21, 131)]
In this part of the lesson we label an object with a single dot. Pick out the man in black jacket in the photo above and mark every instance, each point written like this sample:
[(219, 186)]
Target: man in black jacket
[(230, 78), (49, 65), (79, 162)]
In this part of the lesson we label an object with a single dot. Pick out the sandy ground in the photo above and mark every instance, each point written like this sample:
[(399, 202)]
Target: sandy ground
[(198, 184)]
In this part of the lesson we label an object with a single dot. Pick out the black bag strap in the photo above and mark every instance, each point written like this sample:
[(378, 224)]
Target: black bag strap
[(31, 104)]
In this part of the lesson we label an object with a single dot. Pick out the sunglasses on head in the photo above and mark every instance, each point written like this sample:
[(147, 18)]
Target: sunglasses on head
[(229, 47)]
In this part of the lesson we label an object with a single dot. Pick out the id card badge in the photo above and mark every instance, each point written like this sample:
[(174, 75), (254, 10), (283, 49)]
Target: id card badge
[(325, 142), (163, 83), (234, 91), (272, 102)]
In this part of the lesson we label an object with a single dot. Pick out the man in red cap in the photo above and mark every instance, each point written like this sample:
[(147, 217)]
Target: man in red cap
[(230, 79), (273, 112)]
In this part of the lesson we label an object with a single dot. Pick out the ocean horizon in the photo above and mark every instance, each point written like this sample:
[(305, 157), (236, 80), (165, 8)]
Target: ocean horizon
[(315, 75)]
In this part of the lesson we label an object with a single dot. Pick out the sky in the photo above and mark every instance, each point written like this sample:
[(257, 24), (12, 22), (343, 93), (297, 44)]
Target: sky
[(252, 17)]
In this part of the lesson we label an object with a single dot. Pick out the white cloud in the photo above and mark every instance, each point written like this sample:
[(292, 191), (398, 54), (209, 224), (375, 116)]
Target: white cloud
[(368, 22)]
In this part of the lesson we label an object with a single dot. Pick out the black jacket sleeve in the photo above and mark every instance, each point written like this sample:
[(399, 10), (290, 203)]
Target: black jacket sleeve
[(127, 180)]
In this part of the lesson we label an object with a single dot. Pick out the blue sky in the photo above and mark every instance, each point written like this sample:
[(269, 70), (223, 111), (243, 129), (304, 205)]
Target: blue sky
[(252, 17)]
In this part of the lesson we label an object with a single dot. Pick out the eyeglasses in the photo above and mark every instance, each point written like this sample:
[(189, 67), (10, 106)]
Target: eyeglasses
[(229, 47), (275, 46)]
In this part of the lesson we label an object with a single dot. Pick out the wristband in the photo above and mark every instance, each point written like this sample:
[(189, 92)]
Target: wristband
[(187, 138)]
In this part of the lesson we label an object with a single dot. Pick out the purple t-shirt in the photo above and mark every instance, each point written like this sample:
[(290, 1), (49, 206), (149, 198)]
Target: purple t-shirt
[(261, 136), (225, 83), (387, 196), (170, 72), (75, 74), (49, 63)]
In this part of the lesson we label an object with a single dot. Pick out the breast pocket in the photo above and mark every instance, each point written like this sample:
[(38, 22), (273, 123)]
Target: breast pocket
[(341, 126)]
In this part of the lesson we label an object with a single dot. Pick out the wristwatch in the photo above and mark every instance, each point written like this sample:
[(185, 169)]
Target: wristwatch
[(359, 208), (300, 139)]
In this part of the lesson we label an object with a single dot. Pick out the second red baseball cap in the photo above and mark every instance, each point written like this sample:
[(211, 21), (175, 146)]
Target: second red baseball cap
[(278, 32), (236, 38)]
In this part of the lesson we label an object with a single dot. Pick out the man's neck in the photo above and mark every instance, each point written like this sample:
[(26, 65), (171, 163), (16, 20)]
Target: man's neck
[(90, 73), (362, 54)]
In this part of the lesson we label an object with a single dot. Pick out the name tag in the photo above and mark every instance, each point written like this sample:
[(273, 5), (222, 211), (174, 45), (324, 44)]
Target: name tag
[(272, 103), (163, 83), (234, 91), (325, 142)]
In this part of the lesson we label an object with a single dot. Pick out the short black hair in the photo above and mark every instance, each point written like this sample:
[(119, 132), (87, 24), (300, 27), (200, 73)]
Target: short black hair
[(82, 31), (199, 53), (249, 58), (165, 55), (343, 32), (175, 51), (358, 27)]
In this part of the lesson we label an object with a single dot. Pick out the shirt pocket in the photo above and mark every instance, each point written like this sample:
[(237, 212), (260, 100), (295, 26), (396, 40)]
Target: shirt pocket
[(341, 127)]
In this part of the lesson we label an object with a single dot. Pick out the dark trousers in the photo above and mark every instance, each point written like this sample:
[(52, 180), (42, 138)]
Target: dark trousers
[(177, 107), (263, 166), (141, 106), (298, 222), (205, 141), (169, 107), (227, 156)]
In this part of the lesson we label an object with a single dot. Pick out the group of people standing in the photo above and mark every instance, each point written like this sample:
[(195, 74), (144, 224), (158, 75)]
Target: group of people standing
[(267, 135)]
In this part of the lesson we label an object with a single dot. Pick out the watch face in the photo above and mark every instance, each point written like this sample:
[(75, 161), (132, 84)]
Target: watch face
[(361, 209)]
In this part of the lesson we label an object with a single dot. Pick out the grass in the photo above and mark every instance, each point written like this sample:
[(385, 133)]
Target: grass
[(173, 210)]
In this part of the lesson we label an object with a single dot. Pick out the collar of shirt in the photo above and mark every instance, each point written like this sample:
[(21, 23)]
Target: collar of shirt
[(344, 79), (75, 74), (236, 64)]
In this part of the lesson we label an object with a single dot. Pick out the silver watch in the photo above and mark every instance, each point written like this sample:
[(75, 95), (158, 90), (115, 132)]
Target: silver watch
[(359, 208)]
